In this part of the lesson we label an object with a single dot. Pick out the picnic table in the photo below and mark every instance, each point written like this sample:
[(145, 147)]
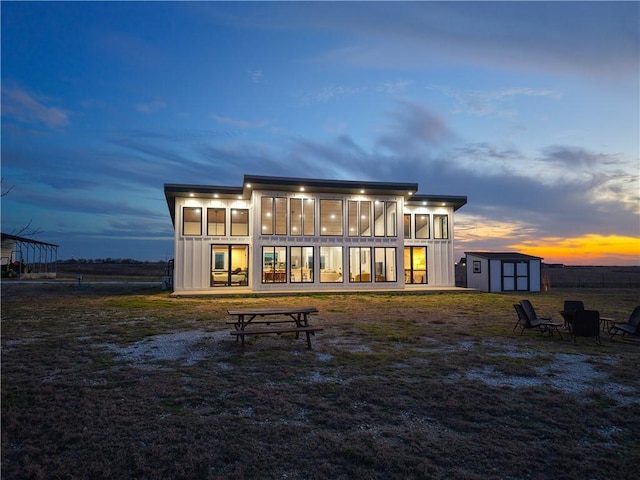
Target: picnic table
[(287, 320)]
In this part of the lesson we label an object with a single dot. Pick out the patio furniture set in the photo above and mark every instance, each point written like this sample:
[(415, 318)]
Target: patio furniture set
[(578, 321)]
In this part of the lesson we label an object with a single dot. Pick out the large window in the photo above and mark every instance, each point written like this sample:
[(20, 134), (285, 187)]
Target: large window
[(385, 264), (359, 218), (239, 222), (415, 265), (378, 218), (384, 214), (274, 264), (274, 215), (330, 264), (360, 264), (192, 221), (441, 226), (407, 225), (301, 264), (422, 225), (392, 227), (303, 216), (229, 265), (330, 217), (216, 221)]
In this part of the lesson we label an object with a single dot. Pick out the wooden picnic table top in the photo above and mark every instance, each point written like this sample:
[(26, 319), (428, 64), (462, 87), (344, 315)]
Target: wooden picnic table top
[(273, 311)]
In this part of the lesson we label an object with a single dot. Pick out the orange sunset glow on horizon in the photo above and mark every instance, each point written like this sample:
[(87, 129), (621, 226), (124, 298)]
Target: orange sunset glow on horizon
[(589, 249)]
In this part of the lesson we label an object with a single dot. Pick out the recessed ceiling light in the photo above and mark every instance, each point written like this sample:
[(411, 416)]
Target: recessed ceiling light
[(248, 185)]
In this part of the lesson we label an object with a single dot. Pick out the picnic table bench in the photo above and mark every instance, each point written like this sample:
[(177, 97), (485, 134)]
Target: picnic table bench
[(297, 316)]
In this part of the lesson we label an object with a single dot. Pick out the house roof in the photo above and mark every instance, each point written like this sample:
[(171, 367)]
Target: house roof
[(456, 201), (288, 184), (502, 256), (256, 182)]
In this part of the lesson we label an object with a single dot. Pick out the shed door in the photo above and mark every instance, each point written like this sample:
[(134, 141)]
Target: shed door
[(515, 276)]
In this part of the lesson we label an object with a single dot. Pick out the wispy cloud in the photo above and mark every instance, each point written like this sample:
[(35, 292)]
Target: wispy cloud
[(335, 92), (590, 39), (151, 107), (31, 108), (256, 76), (243, 124), (576, 157), (496, 103), (414, 127)]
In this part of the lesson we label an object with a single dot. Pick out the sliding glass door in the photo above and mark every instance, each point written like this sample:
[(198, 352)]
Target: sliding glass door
[(229, 265)]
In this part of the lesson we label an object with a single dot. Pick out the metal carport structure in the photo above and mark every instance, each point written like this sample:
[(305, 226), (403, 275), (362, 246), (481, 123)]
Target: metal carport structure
[(27, 258)]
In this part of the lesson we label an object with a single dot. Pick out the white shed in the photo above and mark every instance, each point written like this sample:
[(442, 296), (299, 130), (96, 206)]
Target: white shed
[(503, 272)]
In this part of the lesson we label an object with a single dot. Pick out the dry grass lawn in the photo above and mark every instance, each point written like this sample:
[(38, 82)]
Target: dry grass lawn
[(125, 382)]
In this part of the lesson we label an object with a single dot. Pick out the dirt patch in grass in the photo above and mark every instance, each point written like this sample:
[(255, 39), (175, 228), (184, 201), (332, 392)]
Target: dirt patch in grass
[(126, 382)]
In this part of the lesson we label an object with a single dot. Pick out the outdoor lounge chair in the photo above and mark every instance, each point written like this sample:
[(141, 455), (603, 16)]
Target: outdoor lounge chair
[(544, 325), (632, 327), (586, 323), (569, 309), (534, 319)]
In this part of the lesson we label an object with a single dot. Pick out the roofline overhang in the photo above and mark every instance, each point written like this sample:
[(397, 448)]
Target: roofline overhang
[(173, 190), (256, 182), (307, 185), (455, 201)]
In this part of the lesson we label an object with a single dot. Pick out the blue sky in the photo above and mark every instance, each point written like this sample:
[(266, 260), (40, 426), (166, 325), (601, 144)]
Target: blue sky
[(531, 110)]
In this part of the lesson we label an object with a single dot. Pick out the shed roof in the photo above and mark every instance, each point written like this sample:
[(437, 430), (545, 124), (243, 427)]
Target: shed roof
[(503, 255)]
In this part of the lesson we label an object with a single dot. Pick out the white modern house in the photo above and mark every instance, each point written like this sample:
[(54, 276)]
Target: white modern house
[(503, 272), (297, 234)]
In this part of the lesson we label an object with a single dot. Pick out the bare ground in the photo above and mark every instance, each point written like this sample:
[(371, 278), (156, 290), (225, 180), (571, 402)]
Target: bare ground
[(123, 381)]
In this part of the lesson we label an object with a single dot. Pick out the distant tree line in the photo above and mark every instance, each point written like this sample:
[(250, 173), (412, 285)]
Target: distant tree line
[(127, 261)]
